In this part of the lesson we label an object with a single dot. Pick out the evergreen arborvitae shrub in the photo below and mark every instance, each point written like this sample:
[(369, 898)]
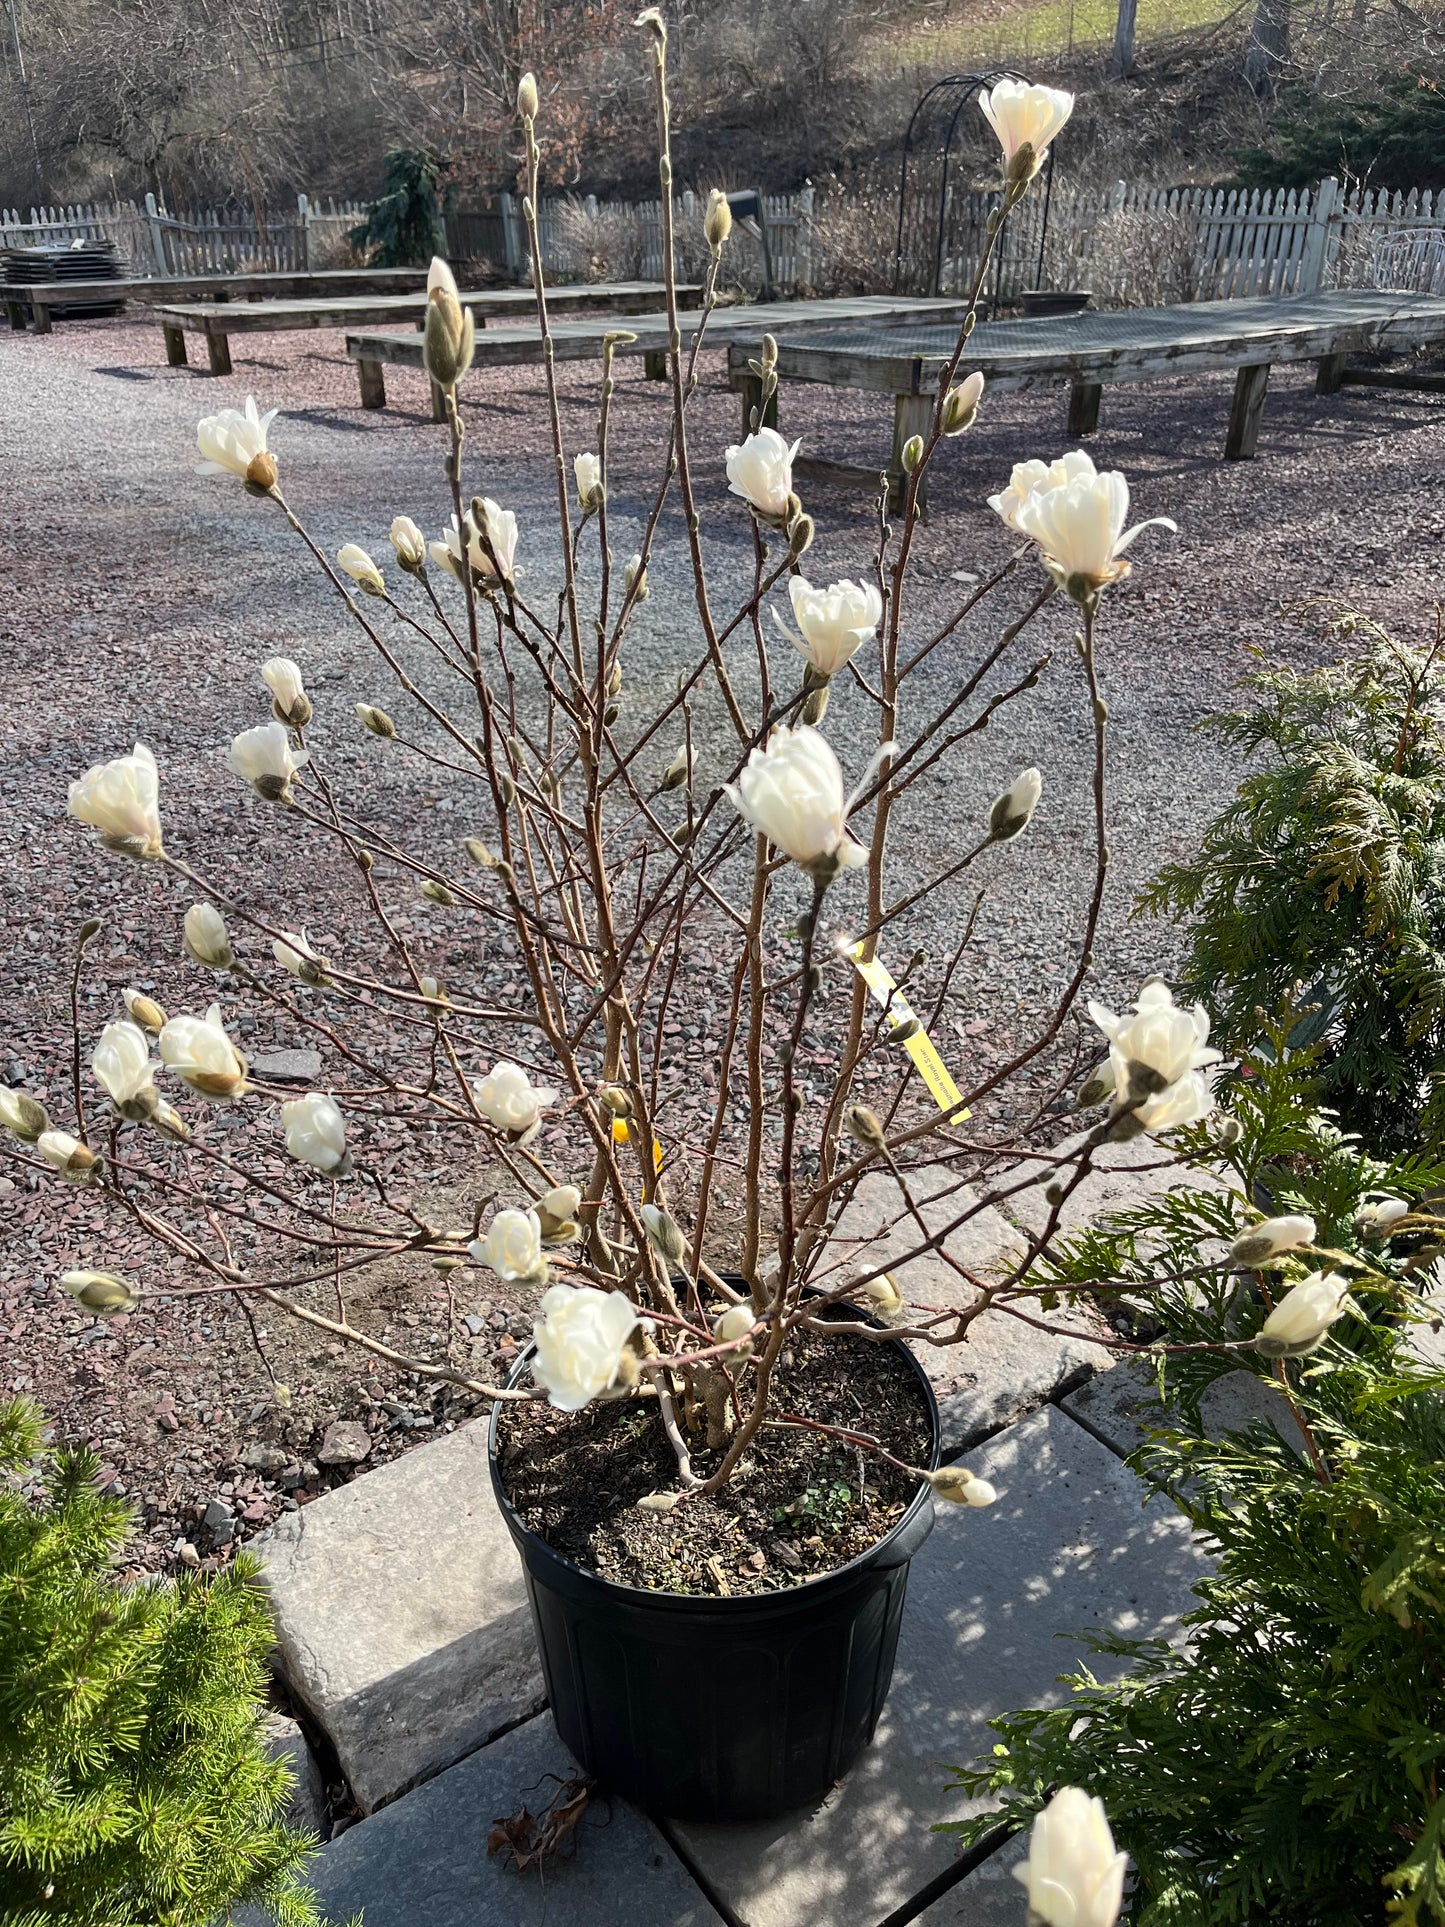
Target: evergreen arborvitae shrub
[(404, 228), (135, 1787), (1389, 134), (1287, 1765), (1329, 869)]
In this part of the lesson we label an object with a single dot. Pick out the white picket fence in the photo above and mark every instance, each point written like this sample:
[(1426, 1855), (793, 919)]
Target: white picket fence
[(1205, 244), (153, 241)]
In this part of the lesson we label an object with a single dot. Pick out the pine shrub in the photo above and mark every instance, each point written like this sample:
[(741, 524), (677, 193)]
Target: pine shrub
[(135, 1788)]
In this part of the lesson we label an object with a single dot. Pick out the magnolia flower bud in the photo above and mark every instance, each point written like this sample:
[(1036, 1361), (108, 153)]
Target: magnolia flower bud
[(289, 701), (1271, 1238), (295, 954), (862, 1123), (435, 892), (409, 543), (169, 1122), (122, 1064), (21, 1116), (760, 469), (1073, 1875), (678, 771), (104, 1292), (588, 471), (733, 1325), (266, 759), (1010, 814), (198, 1050), (883, 1294), (507, 1098), (376, 720), (316, 1132), (912, 454), (662, 1229), (479, 853), (557, 1214), (1098, 1086), (1299, 1321), (75, 1162), (1378, 1215), (960, 405), (582, 1343), (355, 562), (527, 96), (958, 1486), (434, 990), (513, 1248), (1229, 1133), (206, 938), (449, 340), (717, 223), (120, 800), (615, 1101), (634, 578)]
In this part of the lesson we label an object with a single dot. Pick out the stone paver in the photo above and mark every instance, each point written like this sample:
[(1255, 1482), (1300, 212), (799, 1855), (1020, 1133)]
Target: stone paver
[(1006, 1369), (1068, 1546), (422, 1862), (1120, 1406), (401, 1615), (1119, 1179)]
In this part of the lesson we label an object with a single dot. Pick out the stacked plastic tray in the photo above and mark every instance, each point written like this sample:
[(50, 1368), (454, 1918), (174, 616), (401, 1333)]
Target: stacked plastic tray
[(90, 261)]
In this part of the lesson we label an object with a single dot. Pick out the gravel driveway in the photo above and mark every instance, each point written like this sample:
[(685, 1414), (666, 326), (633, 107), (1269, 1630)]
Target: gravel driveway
[(141, 598)]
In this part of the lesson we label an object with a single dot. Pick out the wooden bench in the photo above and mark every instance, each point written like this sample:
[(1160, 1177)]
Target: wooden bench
[(286, 317), (1088, 351), (743, 326), (37, 300)]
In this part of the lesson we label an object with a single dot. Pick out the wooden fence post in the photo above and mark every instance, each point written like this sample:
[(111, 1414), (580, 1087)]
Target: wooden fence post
[(509, 234), (303, 209), (1317, 243), (158, 236)]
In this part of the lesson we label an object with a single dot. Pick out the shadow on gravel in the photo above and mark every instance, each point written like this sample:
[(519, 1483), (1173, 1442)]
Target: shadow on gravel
[(127, 374), (327, 418)]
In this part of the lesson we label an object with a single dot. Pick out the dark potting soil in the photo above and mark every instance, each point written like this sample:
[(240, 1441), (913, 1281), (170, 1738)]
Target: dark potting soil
[(799, 1504)]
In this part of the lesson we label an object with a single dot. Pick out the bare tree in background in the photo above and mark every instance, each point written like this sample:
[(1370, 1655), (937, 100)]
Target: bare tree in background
[(1268, 45)]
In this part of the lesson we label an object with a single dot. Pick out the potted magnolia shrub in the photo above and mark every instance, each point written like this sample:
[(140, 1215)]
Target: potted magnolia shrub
[(721, 1453)]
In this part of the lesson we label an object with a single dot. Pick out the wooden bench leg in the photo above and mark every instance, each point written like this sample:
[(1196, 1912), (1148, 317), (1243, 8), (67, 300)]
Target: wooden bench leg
[(40, 317), (1084, 397), (912, 415), (218, 348), (1329, 373), (752, 394), (1250, 385), (438, 402), (654, 364), (371, 380), (16, 311), (175, 345)]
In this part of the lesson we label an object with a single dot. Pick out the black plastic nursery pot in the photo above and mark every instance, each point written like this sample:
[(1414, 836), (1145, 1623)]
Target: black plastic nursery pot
[(1038, 303), (724, 1709)]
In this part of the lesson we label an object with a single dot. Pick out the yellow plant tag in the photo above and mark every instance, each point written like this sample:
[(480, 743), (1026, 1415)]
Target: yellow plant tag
[(621, 1135), (920, 1046)]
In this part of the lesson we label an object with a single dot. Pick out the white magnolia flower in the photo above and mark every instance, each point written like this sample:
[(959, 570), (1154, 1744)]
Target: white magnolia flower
[(288, 693), (234, 443), (835, 622), (1160, 1043), (143, 1010), (1379, 1215), (294, 953), (408, 541), (449, 339), (581, 1338), (513, 1247), (1027, 119), (67, 1155), (588, 471), (1184, 1102), (1073, 1874), (267, 760), (761, 471), (634, 577), (960, 406), (198, 1050), (734, 1324), (507, 1098), (501, 529), (1258, 1243), (206, 937), (122, 1063), (792, 791), (1011, 812), (120, 799), (1027, 479), (104, 1292), (353, 560), (1079, 528), (315, 1130), (557, 1213), (21, 1115), (883, 1294), (1300, 1320)]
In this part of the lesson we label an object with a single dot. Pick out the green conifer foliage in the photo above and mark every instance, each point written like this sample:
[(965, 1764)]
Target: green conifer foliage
[(135, 1789), (1287, 1765), (1329, 869), (404, 229)]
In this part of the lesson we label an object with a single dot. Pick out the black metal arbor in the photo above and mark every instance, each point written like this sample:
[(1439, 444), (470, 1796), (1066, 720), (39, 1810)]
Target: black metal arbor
[(925, 198)]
